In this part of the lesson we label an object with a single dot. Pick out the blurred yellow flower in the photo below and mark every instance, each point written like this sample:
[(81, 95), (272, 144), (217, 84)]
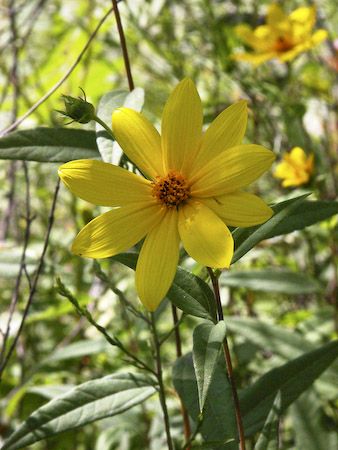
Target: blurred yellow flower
[(295, 169), (190, 191), (283, 37)]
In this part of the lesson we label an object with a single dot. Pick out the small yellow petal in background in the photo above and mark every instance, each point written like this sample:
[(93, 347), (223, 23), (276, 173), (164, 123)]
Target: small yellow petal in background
[(116, 231), (182, 126), (297, 156), (139, 139), (245, 33), (275, 16), (226, 131), (232, 170), (205, 236), (157, 263), (318, 37), (240, 209), (305, 16), (104, 184)]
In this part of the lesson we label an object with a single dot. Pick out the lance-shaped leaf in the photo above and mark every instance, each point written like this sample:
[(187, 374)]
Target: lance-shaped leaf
[(268, 438), (49, 145), (90, 401), (271, 280), (188, 292), (291, 379), (311, 430), (218, 426), (246, 238), (207, 344)]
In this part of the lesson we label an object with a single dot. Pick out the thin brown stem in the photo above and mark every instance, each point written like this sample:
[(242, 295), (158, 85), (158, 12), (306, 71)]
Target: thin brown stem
[(123, 45), (227, 355), (159, 376), (61, 81), (22, 268), (35, 280), (185, 417)]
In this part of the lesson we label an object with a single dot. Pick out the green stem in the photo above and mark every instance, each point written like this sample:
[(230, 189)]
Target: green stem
[(228, 362), (105, 126), (159, 375)]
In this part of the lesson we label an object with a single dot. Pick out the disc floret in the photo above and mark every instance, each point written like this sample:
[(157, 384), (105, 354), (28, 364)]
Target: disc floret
[(171, 190)]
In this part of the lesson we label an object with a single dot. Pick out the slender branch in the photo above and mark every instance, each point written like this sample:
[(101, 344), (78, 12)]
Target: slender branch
[(228, 361), (123, 45), (112, 340), (185, 417), (35, 280), (61, 81), (22, 268), (159, 375)]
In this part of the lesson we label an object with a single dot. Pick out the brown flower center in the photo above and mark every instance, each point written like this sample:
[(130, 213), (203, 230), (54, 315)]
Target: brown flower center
[(283, 44), (171, 190)]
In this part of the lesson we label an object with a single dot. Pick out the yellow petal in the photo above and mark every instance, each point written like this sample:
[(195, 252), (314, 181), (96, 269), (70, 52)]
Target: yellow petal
[(305, 16), (245, 33), (256, 58), (139, 139), (275, 16), (289, 55), (182, 126), (231, 170), (298, 157), (116, 231), (104, 184), (226, 131), (240, 209), (318, 37), (157, 263), (205, 236)]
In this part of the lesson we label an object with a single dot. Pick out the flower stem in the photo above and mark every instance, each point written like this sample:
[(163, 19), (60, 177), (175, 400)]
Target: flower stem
[(105, 126), (123, 45), (185, 417), (159, 375), (215, 285)]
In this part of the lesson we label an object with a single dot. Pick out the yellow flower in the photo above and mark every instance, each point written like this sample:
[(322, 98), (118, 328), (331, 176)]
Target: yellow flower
[(283, 37), (295, 169), (190, 190)]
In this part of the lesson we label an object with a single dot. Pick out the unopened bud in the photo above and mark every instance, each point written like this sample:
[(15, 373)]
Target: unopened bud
[(78, 109)]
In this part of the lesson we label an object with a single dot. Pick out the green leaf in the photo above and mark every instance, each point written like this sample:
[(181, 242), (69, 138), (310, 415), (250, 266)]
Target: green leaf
[(90, 401), (268, 439), (271, 280), (292, 379), (219, 423), (49, 145), (310, 430), (207, 344), (188, 292), (77, 350), (109, 149), (246, 238)]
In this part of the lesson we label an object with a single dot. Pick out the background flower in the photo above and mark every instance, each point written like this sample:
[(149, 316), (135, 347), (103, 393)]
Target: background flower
[(295, 169), (282, 37)]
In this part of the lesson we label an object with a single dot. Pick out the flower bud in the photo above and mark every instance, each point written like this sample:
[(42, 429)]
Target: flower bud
[(78, 109)]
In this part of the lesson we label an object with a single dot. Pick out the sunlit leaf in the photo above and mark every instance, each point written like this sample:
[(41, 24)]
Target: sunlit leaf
[(268, 438), (90, 401), (109, 149), (218, 420), (207, 344)]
